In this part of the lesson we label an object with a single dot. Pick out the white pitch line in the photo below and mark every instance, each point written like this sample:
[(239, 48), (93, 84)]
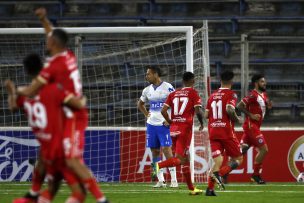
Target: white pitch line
[(150, 185), (62, 192)]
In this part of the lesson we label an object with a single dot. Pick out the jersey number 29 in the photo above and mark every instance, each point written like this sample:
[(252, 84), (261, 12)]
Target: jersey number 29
[(36, 114)]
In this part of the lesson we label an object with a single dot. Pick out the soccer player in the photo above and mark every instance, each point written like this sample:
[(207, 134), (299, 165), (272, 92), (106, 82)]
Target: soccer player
[(158, 134), (45, 116), (254, 106), (221, 113), (183, 103), (62, 68)]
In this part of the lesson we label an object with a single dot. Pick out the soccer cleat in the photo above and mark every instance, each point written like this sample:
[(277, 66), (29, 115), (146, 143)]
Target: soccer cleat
[(210, 192), (195, 191), (257, 179), (218, 180), (155, 170), (174, 184), (160, 184), (27, 198), (24, 200)]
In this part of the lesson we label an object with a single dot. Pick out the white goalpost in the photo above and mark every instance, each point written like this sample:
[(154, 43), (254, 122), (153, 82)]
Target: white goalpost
[(112, 62)]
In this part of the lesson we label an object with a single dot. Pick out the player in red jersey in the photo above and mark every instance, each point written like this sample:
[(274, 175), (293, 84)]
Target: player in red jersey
[(184, 103), (254, 106), (62, 68), (45, 116), (220, 112)]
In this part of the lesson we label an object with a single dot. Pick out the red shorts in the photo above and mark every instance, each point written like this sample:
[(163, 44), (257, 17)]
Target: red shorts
[(74, 135), (231, 147), (51, 153), (253, 137), (58, 170), (183, 133)]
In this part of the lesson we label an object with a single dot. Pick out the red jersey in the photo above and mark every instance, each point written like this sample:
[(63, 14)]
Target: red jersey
[(45, 116), (182, 102), (220, 126), (256, 104), (62, 68)]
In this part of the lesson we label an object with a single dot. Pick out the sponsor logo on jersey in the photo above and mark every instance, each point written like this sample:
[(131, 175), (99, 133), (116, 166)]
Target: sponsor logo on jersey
[(295, 157), (179, 119), (218, 124)]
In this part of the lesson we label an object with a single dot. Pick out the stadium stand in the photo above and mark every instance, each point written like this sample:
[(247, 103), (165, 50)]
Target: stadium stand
[(275, 29)]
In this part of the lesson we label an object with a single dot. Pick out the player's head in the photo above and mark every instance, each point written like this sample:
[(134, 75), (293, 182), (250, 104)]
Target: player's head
[(57, 39), (188, 79), (32, 64), (226, 78), (153, 74), (259, 82)]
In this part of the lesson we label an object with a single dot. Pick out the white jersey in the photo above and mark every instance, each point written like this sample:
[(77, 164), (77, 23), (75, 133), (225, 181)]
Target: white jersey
[(156, 96)]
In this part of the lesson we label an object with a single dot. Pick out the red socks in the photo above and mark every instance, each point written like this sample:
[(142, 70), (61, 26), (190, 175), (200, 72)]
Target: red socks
[(211, 183), (91, 185), (256, 169), (187, 175), (37, 181), (169, 163), (225, 170)]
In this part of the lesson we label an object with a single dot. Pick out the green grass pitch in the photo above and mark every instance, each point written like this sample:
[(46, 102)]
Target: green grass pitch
[(144, 193)]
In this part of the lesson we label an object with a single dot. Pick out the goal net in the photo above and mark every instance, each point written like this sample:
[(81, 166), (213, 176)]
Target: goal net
[(112, 63)]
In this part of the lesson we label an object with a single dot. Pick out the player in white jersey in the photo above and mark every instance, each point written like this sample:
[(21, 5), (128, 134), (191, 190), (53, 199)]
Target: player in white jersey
[(158, 131)]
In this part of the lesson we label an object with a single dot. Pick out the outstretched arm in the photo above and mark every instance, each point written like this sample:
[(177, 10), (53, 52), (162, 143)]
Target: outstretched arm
[(76, 103), (31, 90), (42, 16), (12, 97)]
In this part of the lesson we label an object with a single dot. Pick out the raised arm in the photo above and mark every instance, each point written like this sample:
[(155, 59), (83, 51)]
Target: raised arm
[(42, 16), (12, 97)]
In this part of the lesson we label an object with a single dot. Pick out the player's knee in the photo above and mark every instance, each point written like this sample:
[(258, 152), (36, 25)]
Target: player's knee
[(264, 149), (239, 160), (155, 152), (71, 163), (245, 148)]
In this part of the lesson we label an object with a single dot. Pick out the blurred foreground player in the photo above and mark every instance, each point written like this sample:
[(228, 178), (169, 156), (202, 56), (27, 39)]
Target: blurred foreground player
[(62, 68), (45, 116)]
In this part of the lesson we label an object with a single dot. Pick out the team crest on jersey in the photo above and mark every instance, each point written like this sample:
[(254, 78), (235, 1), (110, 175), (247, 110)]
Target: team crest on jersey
[(235, 95), (296, 157), (170, 89)]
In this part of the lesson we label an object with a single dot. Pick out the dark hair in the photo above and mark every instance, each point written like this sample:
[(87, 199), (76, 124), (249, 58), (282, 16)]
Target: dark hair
[(187, 76), (32, 64), (255, 78), (155, 70), (227, 76), (60, 36)]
